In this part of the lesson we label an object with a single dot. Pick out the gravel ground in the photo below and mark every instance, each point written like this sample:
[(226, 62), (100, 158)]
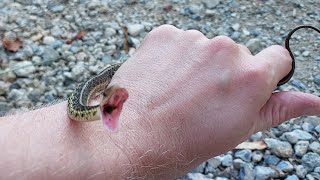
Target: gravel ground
[(52, 61)]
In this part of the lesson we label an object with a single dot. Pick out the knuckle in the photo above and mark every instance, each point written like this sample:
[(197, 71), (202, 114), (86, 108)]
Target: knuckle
[(222, 43), (194, 33), (162, 31)]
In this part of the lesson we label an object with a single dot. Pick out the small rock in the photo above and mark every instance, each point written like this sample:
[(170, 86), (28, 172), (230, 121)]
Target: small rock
[(48, 40), (298, 84), (4, 108), (292, 177), (16, 94), (25, 69), (55, 7), (310, 161), (109, 32), (50, 54), (238, 163), (301, 148), (257, 136), (167, 7), (246, 172), (307, 127), (235, 26), (257, 156), (211, 3), (254, 45), (271, 160), (78, 70), (135, 29), (317, 129), (306, 53), (4, 88), (314, 120), (35, 95), (200, 168), (315, 147), (81, 56), (279, 148), (317, 170), (196, 176), (285, 166), (296, 135), (309, 177), (301, 171), (316, 79), (210, 12), (244, 154), (226, 160), (262, 172), (214, 162)]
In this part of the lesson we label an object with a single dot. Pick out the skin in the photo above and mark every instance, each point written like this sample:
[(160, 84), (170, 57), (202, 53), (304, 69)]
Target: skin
[(190, 98)]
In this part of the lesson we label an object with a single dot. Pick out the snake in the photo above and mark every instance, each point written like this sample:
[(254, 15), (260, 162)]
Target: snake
[(108, 110), (114, 97)]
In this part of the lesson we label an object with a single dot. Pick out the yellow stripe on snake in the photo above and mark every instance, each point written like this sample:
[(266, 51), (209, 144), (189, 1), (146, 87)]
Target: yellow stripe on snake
[(110, 106)]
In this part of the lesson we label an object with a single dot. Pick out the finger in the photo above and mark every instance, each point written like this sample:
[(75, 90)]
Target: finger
[(277, 61), (244, 48), (286, 105)]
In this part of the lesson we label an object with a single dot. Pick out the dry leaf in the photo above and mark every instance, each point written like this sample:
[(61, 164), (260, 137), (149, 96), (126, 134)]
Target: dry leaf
[(11, 45), (259, 145), (79, 35)]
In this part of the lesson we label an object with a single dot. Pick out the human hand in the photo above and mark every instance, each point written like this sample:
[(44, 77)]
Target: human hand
[(192, 98)]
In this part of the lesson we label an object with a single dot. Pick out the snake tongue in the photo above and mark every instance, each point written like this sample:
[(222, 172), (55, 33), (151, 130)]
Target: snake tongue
[(110, 111)]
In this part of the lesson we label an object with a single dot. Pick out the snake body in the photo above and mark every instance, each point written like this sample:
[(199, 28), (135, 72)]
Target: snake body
[(78, 108)]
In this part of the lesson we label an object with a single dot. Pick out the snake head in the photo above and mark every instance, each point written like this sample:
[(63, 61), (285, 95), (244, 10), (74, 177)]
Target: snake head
[(111, 106)]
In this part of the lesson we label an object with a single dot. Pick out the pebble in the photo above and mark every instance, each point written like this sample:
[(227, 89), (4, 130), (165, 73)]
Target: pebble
[(308, 127), (196, 176), (316, 79), (244, 154), (301, 171), (305, 53), (236, 26), (257, 136), (50, 54), (48, 40), (279, 148), (55, 7), (257, 156), (4, 108), (254, 45), (301, 148), (77, 71), (4, 88), (238, 163), (271, 160), (315, 147), (226, 160), (109, 32), (292, 177), (314, 120), (298, 84), (25, 69), (296, 135), (200, 168), (317, 129), (246, 172), (310, 161), (285, 166), (135, 29), (211, 3), (262, 172)]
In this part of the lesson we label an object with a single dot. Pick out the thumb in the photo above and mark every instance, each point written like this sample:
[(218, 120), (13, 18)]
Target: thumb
[(286, 105)]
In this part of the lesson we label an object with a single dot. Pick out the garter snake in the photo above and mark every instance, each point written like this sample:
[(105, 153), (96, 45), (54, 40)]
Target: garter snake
[(110, 106)]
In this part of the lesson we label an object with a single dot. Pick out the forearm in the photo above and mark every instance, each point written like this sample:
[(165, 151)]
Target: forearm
[(44, 143)]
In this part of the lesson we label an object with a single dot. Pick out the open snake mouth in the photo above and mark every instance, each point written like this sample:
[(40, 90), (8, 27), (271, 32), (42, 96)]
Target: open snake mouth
[(111, 109)]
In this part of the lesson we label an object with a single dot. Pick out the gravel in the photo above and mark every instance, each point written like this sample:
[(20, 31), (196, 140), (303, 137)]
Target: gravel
[(52, 61)]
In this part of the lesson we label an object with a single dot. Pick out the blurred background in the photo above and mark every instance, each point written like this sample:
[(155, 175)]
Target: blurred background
[(48, 47)]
